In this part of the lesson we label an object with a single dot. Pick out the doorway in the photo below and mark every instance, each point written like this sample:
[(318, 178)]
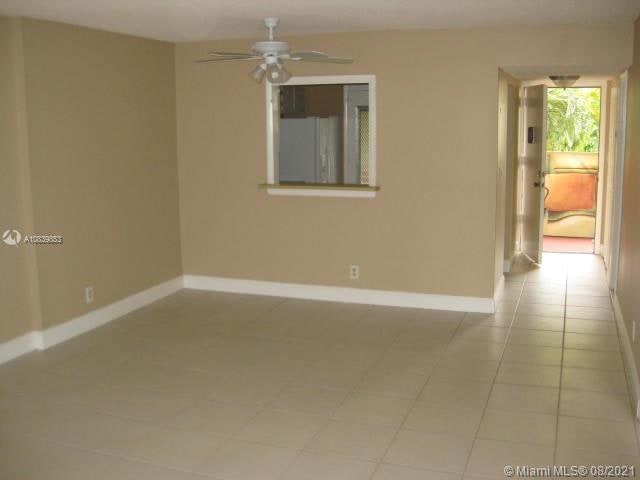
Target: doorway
[(562, 166), (572, 167), (540, 155)]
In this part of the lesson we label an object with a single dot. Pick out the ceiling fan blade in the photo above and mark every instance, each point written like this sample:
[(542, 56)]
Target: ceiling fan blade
[(318, 57), (231, 54), (227, 59)]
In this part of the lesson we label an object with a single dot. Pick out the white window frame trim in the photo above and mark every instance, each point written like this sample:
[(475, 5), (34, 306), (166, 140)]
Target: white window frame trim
[(333, 191)]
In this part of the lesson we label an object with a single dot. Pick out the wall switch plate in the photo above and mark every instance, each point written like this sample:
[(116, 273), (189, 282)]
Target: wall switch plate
[(354, 272), (88, 295), (633, 331)]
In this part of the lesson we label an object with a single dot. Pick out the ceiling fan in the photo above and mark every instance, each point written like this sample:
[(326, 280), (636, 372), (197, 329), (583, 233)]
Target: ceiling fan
[(272, 52)]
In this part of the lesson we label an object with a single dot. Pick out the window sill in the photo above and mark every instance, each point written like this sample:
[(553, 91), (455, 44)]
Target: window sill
[(320, 190)]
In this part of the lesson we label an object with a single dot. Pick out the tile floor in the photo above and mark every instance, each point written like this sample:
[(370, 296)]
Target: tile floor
[(217, 386)]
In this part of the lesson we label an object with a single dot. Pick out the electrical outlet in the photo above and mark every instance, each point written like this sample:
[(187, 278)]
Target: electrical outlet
[(633, 331), (88, 295), (354, 272)]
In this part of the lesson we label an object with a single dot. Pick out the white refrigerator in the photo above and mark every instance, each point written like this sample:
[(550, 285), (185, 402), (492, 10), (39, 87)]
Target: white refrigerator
[(309, 149)]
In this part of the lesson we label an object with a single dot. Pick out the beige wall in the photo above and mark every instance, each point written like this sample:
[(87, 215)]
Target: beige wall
[(629, 273), (432, 227), (100, 122), (14, 286)]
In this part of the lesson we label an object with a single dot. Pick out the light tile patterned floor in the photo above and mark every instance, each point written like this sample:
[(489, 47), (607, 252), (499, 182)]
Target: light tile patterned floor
[(205, 385)]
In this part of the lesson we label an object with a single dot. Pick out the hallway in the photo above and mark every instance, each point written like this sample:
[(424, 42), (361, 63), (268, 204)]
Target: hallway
[(565, 303)]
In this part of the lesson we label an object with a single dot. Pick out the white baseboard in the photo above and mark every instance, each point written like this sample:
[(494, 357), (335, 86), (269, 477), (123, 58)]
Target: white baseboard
[(39, 340), (627, 353), (341, 294), (94, 319), (19, 346)]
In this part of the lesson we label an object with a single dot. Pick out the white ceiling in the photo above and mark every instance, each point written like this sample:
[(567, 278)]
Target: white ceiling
[(191, 20)]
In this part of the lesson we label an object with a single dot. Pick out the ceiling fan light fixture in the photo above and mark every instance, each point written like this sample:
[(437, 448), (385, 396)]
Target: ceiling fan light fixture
[(564, 81), (258, 73), (285, 75), (276, 73)]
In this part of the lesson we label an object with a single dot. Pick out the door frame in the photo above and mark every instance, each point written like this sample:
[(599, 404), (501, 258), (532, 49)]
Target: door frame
[(612, 131), (600, 83), (602, 158), (618, 180)]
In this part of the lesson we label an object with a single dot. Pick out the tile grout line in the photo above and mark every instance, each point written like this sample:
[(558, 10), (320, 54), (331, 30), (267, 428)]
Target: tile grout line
[(263, 408), (415, 400), (164, 424), (440, 358), (301, 450), (349, 392), (564, 327), (493, 382)]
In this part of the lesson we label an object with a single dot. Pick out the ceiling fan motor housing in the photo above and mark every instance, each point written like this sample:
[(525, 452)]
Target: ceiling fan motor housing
[(270, 47)]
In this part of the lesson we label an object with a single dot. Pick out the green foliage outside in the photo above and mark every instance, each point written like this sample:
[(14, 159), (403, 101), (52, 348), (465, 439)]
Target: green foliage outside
[(573, 119)]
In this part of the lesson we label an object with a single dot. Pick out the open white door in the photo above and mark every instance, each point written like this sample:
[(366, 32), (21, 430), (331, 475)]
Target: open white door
[(533, 154)]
